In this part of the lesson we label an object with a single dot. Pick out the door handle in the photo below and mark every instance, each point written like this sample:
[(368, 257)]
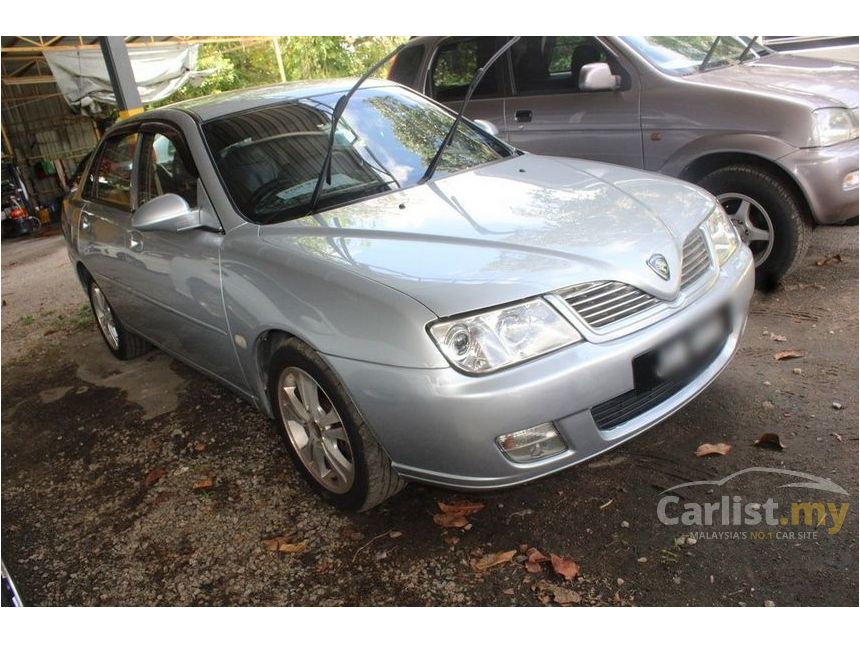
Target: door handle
[(135, 242), (86, 224), (523, 116)]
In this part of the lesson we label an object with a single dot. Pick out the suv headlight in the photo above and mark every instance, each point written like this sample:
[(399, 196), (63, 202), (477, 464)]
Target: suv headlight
[(723, 235), (491, 340), (833, 125)]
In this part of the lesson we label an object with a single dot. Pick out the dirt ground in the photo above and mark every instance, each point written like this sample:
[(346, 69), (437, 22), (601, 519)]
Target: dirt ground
[(100, 460)]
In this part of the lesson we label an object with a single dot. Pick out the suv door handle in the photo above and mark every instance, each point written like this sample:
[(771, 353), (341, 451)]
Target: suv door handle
[(523, 116), (86, 224)]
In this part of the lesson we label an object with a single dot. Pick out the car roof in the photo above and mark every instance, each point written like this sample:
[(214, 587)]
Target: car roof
[(225, 103)]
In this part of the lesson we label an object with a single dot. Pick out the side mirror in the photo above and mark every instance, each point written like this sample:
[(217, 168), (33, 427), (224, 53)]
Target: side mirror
[(487, 126), (596, 77), (171, 213)]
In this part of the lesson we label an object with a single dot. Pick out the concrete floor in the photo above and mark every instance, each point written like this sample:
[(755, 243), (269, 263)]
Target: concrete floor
[(100, 460)]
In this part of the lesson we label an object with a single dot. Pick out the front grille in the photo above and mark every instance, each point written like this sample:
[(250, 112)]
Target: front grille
[(604, 303), (696, 259)]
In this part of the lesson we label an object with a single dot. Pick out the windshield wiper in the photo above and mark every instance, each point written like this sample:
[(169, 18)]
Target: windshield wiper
[(710, 53), (476, 79), (340, 106), (747, 49)]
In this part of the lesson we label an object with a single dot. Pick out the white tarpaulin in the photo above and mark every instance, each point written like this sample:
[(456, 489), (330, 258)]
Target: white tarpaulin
[(159, 71)]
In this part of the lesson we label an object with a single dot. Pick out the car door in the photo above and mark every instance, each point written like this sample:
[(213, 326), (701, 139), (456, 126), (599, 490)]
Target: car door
[(454, 64), (175, 275), (549, 113), (105, 218)]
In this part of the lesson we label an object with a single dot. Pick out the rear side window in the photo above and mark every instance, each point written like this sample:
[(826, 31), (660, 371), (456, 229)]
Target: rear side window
[(551, 64), (112, 174), (455, 64), (406, 65)]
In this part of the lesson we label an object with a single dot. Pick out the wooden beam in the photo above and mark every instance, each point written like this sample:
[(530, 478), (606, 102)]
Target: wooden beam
[(182, 40), (29, 80)]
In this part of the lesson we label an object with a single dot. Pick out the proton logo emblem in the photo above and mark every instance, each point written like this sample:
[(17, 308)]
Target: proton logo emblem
[(659, 265)]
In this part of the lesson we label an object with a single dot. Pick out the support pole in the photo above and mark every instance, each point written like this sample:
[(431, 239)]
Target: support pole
[(121, 75), (277, 45)]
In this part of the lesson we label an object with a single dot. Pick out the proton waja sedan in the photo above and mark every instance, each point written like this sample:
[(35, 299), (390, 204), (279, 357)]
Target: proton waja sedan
[(474, 319)]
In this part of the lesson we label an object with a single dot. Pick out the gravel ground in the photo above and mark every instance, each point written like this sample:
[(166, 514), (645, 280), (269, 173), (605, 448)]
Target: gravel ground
[(106, 466)]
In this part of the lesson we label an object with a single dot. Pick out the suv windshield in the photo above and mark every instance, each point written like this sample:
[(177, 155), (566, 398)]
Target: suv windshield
[(270, 158), (684, 54)]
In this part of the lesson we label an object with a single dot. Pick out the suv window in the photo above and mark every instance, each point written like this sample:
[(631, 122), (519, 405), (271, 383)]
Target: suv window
[(112, 174), (455, 64), (163, 170), (551, 64), (404, 69)]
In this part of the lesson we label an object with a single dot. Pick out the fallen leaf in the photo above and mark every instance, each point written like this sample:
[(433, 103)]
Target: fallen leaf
[(508, 592), (154, 475), (450, 521), (283, 545), (549, 592), (836, 435), (778, 338), (713, 449), (199, 446), (786, 355), (565, 567), (494, 559), (770, 440), (395, 534), (460, 508), (534, 559), (836, 258), (203, 483)]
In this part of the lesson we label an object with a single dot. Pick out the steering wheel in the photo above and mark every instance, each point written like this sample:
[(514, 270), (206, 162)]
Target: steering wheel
[(263, 199)]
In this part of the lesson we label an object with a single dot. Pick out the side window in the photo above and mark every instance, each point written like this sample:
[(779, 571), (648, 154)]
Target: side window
[(404, 69), (455, 64), (551, 64), (163, 170), (111, 175)]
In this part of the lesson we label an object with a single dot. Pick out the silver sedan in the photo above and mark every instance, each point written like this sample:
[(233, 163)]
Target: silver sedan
[(504, 318)]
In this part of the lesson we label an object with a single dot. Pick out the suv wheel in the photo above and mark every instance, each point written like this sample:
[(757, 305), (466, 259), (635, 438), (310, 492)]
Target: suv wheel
[(122, 343), (325, 433), (768, 216)]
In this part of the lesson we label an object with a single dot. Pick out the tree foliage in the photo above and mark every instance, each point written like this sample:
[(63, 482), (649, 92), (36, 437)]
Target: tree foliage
[(305, 57)]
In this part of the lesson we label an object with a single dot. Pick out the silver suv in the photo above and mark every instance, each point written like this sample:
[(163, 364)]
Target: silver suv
[(773, 136)]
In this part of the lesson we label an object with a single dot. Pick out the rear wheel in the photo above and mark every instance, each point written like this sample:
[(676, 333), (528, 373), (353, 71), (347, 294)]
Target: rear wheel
[(122, 343), (325, 434), (768, 215)]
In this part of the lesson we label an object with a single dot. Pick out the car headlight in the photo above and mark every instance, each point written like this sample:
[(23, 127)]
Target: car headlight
[(491, 340), (723, 235), (833, 125)]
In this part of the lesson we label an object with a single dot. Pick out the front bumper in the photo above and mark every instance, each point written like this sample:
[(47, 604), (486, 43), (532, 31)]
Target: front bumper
[(439, 426), (820, 172)]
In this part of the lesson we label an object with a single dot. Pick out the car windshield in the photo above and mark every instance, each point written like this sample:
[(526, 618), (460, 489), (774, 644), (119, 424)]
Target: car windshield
[(682, 55), (270, 158)]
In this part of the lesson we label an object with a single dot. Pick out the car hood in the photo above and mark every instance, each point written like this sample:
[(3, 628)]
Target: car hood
[(508, 230), (814, 81)]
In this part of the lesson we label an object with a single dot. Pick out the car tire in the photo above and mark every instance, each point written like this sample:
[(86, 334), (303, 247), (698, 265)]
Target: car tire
[(324, 432), (122, 343), (759, 202)]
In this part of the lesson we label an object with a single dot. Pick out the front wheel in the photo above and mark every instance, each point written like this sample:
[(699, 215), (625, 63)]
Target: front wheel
[(768, 216), (325, 433)]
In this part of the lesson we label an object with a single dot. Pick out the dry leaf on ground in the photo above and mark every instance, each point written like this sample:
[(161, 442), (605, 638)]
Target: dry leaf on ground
[(494, 559), (283, 545), (565, 567), (713, 449), (548, 592), (786, 355), (450, 521), (203, 483), (154, 475), (836, 258), (534, 559), (460, 508), (770, 440), (779, 338)]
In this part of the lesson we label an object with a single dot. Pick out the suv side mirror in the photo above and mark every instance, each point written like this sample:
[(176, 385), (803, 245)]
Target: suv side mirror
[(596, 77), (487, 126), (171, 213)]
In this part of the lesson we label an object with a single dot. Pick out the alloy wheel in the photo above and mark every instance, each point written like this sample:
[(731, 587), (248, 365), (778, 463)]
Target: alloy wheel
[(105, 317), (316, 430), (752, 222)]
